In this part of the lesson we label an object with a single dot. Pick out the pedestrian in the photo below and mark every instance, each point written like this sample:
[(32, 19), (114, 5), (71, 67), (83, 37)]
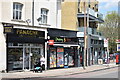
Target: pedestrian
[(42, 60)]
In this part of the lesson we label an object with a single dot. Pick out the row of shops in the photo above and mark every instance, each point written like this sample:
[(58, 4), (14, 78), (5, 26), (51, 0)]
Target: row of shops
[(25, 45)]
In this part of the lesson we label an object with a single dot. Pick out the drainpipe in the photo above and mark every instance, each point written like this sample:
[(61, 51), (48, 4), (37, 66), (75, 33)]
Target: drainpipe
[(33, 13)]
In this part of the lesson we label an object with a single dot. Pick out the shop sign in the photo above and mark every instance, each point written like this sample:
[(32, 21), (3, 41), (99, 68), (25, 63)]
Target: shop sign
[(80, 34), (29, 33), (59, 39), (67, 40), (51, 42), (8, 29)]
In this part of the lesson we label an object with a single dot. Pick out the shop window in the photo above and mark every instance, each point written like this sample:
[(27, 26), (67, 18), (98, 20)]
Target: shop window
[(15, 44), (99, 42), (96, 7), (93, 31), (17, 11), (92, 41), (44, 16), (10, 44), (19, 44), (102, 42), (95, 42)]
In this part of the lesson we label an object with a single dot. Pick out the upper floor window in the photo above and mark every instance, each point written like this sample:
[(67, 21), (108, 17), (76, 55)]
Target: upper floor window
[(44, 16), (17, 11)]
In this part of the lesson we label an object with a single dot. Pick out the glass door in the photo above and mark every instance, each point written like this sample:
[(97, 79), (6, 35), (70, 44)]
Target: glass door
[(35, 55), (66, 54), (26, 60), (31, 55)]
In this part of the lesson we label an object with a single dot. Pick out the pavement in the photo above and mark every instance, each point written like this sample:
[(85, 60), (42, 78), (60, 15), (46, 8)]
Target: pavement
[(58, 72)]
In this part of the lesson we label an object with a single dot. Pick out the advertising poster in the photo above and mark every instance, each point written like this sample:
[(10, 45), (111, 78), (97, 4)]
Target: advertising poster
[(52, 57), (60, 59)]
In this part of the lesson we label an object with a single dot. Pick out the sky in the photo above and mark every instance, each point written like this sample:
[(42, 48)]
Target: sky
[(108, 5)]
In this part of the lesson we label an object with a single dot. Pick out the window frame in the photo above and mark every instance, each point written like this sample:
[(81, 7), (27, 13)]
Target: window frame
[(17, 11), (44, 16)]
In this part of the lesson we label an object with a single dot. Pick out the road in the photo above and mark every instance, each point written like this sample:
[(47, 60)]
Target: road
[(100, 74), (107, 73)]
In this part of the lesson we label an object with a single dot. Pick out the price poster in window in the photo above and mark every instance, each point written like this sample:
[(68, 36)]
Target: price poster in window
[(60, 59), (52, 57)]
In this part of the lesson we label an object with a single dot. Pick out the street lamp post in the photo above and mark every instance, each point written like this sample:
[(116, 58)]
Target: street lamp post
[(84, 56), (86, 25)]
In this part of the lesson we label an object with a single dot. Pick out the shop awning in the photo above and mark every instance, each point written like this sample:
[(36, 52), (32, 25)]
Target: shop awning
[(61, 33)]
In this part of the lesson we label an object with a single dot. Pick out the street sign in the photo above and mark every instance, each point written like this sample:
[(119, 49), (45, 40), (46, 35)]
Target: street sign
[(80, 34), (118, 47)]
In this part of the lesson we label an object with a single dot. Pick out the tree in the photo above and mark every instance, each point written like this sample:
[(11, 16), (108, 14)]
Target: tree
[(110, 29)]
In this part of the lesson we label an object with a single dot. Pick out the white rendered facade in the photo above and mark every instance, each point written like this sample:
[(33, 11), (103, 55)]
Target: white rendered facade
[(6, 18)]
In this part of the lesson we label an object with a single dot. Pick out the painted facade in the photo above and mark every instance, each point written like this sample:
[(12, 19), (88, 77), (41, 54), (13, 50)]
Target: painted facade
[(29, 22), (69, 12)]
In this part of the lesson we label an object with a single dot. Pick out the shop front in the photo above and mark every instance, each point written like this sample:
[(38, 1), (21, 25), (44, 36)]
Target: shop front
[(24, 48), (63, 52)]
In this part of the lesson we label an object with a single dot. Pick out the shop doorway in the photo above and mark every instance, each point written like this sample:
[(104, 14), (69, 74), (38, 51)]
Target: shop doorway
[(24, 56), (69, 56)]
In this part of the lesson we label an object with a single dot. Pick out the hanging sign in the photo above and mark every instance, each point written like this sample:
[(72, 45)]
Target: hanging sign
[(8, 29)]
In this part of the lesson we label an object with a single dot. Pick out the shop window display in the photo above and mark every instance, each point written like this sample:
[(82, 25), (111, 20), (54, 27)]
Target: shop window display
[(60, 58), (52, 57)]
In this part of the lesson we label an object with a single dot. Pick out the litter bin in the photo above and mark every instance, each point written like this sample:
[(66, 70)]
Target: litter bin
[(117, 58)]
